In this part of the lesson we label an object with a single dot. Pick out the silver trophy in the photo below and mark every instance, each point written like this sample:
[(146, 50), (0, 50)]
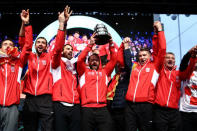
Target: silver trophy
[(102, 35)]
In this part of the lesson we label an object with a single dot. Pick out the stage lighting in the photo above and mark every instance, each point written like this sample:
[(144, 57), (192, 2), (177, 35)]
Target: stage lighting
[(187, 15), (173, 17)]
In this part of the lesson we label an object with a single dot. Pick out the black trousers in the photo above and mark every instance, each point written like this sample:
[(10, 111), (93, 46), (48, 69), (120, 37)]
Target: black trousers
[(38, 112), (66, 118), (118, 119), (166, 119), (189, 121), (96, 118), (138, 116)]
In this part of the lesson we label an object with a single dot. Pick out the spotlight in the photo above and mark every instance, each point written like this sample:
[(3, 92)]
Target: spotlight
[(187, 15), (173, 17)]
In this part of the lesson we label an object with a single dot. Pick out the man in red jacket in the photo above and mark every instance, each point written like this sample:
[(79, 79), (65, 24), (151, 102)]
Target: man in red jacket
[(38, 87), (93, 89), (11, 64), (144, 75), (65, 95), (167, 95)]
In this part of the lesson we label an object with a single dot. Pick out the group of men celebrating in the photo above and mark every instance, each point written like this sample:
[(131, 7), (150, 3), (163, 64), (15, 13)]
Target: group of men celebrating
[(66, 93)]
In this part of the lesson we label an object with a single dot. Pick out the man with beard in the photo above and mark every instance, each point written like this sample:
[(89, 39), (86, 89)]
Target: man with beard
[(65, 95), (93, 89), (38, 85)]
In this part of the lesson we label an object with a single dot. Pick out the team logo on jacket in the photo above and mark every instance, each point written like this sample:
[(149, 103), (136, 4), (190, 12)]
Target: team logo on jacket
[(147, 69), (90, 73), (44, 62), (12, 68)]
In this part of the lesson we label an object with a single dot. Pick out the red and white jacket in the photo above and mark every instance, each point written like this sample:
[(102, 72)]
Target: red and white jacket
[(11, 70), (65, 81), (143, 78), (38, 80), (167, 92), (93, 84), (188, 101)]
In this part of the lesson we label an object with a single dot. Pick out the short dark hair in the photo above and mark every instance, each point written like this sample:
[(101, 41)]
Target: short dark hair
[(94, 54), (145, 49), (77, 32), (68, 45), (171, 53), (42, 38), (10, 39)]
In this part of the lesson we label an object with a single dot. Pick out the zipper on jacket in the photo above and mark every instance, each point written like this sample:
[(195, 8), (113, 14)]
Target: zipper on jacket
[(138, 79), (48, 83), (5, 84), (61, 89), (73, 89), (97, 87), (169, 94), (37, 77), (170, 74)]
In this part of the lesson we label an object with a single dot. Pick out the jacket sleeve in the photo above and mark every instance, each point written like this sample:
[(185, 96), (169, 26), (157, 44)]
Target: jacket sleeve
[(185, 61), (111, 64), (59, 44), (155, 46), (27, 49), (120, 55), (189, 65), (159, 58), (128, 59), (21, 41), (81, 66)]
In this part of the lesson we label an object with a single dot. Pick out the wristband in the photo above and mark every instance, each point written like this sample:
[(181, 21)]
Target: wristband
[(27, 24)]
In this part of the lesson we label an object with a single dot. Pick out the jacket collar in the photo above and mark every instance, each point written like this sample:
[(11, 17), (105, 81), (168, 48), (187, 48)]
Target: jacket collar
[(144, 63), (174, 68)]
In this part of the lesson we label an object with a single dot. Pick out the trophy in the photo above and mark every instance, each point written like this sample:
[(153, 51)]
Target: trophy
[(102, 35)]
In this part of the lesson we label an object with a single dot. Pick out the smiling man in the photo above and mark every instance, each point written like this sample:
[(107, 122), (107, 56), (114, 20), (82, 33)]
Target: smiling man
[(11, 64), (65, 94), (167, 95), (144, 75), (38, 105), (93, 88)]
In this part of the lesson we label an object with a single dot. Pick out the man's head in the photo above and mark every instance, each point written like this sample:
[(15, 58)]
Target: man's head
[(6, 44), (41, 45), (94, 61), (84, 38), (70, 38), (169, 60), (144, 55), (76, 34), (67, 51)]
